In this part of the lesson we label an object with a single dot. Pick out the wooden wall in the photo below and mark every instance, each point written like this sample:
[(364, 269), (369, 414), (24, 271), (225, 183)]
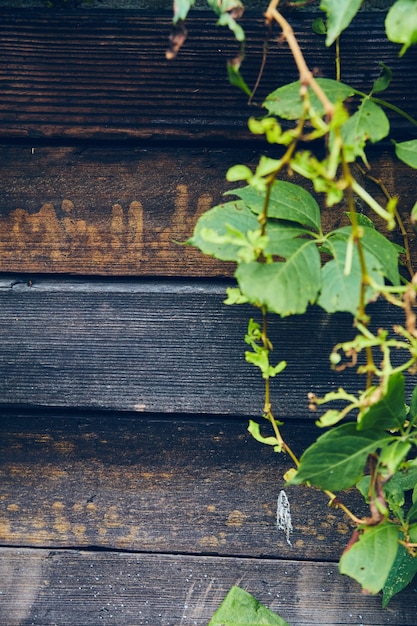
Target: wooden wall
[(130, 490)]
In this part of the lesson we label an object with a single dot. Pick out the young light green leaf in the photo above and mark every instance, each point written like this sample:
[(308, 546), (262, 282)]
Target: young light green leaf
[(341, 291), (370, 559), (287, 201), (286, 101), (260, 358), (401, 23), (368, 123), (234, 296), (337, 459), (238, 172), (255, 431), (239, 608), (340, 13), (402, 572), (219, 218), (181, 9), (286, 287), (406, 151)]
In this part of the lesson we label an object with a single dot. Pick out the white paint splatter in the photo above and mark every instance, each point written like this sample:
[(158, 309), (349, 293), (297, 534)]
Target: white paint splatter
[(284, 515)]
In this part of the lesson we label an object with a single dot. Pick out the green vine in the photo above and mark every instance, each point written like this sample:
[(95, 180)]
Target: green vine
[(285, 262)]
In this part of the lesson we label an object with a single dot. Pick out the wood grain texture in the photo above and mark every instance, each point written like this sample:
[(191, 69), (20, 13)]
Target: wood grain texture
[(158, 485), (157, 347), (78, 588), (103, 74), (117, 210)]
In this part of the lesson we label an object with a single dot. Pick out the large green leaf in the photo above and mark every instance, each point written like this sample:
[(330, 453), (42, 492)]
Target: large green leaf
[(341, 291), (401, 23), (287, 201), (286, 101), (337, 459), (234, 214), (368, 123), (383, 250), (340, 13), (406, 151), (286, 287), (401, 574), (239, 608), (370, 559), (389, 411)]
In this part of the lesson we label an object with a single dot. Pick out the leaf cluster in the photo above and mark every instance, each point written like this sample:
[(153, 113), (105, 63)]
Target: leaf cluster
[(271, 228)]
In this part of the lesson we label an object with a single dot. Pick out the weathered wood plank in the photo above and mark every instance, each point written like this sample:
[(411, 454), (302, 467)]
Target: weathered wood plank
[(196, 487), (122, 211), (104, 74), (156, 347), (44, 587)]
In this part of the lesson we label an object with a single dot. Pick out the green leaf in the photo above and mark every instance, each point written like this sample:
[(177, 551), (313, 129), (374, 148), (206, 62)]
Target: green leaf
[(392, 456), (368, 123), (236, 79), (239, 608), (380, 247), (238, 172), (287, 201), (406, 151), (413, 404), (401, 574), (340, 13), (341, 291), (401, 23), (286, 101), (255, 431), (362, 219), (319, 26), (370, 559), (181, 9), (277, 233), (413, 214), (389, 411), (337, 459), (286, 287), (232, 214), (384, 79), (412, 513), (229, 11)]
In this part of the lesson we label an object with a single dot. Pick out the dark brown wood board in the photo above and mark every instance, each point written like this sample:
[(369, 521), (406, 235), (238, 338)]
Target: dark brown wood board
[(79, 588), (103, 74), (130, 489), (157, 347), (118, 210), (159, 485)]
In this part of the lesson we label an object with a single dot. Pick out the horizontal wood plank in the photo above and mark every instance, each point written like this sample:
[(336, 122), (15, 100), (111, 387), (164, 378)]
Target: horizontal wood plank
[(196, 487), (103, 74), (113, 210), (44, 588), (157, 347)]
